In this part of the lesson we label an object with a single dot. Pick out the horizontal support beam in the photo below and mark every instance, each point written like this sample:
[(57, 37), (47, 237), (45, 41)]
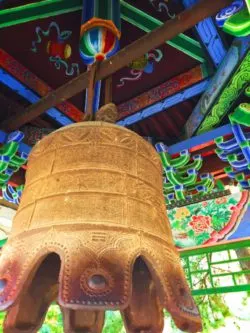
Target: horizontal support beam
[(167, 31), (221, 290), (209, 37), (166, 103), (201, 139), (9, 81), (30, 80), (164, 90)]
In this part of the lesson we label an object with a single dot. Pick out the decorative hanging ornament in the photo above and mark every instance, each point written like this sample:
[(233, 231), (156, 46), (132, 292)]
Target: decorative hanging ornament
[(92, 234), (99, 38), (100, 30)]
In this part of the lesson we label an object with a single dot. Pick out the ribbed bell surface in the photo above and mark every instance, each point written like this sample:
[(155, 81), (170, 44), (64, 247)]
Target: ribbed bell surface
[(91, 233)]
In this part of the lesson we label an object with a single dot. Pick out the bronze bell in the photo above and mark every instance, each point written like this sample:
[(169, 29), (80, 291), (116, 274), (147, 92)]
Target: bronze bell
[(91, 233)]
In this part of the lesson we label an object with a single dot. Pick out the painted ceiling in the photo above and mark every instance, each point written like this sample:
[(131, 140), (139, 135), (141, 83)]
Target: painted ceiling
[(28, 44)]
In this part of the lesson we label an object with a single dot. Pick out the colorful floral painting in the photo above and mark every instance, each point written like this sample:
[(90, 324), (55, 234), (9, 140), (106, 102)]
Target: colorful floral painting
[(209, 221)]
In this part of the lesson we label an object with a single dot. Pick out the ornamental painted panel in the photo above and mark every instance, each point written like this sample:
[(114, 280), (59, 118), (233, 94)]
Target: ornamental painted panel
[(211, 221)]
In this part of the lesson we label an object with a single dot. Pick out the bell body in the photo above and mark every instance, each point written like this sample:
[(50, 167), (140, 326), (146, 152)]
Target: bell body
[(93, 198)]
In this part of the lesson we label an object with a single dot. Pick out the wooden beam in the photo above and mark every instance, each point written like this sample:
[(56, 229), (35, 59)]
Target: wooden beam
[(108, 97), (38, 86), (168, 30), (8, 205), (91, 92), (9, 108)]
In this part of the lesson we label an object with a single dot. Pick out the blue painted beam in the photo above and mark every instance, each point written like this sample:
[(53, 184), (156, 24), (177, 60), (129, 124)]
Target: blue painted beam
[(3, 136), (209, 36), (200, 139), (18, 87), (217, 84), (166, 103)]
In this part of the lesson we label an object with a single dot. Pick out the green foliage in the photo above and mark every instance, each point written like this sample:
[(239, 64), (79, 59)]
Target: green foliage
[(213, 309), (202, 238), (113, 323), (214, 313), (53, 321), (232, 201), (2, 315)]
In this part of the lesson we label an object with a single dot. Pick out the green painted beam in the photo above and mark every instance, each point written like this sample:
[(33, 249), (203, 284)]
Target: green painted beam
[(239, 24), (148, 23), (208, 269), (37, 10), (136, 17), (235, 87), (221, 290), (237, 244)]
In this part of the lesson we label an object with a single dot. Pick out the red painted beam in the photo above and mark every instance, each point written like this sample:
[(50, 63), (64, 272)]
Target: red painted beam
[(168, 88), (30, 80)]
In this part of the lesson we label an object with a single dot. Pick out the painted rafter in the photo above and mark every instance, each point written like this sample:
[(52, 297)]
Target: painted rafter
[(167, 31), (200, 141), (28, 85), (217, 85), (131, 14), (164, 90), (236, 151), (9, 81), (9, 107), (209, 36), (228, 97), (181, 96)]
